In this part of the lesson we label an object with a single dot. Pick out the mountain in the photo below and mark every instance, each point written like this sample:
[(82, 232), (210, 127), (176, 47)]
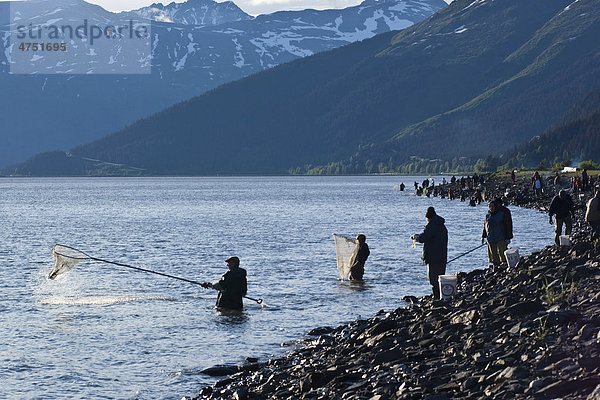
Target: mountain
[(194, 12), (519, 79), (86, 96), (576, 137), (476, 78)]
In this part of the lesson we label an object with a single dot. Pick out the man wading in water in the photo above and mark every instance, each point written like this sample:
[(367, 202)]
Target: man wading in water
[(232, 286), (357, 269), (435, 248)]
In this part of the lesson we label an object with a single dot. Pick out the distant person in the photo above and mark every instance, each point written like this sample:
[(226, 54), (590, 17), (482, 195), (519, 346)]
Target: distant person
[(513, 177), (537, 184), (435, 248), (562, 207), (557, 182), (357, 267), (494, 232), (402, 186), (592, 214), (585, 180), (232, 286)]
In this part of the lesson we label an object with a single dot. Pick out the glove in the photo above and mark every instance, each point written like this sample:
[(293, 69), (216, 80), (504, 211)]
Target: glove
[(206, 285)]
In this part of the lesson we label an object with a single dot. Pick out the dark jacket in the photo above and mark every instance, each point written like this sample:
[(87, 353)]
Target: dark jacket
[(507, 222), (562, 208), (232, 287), (357, 269), (435, 241)]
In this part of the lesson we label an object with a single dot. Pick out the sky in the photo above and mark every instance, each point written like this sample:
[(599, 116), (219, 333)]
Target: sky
[(252, 7)]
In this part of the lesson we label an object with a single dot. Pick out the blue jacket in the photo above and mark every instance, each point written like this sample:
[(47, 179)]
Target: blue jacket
[(493, 227)]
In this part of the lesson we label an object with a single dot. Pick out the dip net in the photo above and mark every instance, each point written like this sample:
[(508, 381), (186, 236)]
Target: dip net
[(65, 259), (345, 252)]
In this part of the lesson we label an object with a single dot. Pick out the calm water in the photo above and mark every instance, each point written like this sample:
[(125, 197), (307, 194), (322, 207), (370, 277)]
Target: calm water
[(103, 331)]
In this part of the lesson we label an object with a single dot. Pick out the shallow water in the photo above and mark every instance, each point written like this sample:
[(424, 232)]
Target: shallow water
[(104, 331)]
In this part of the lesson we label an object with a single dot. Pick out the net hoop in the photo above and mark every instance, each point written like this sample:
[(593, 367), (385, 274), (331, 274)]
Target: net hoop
[(346, 249), (68, 252), (65, 259)]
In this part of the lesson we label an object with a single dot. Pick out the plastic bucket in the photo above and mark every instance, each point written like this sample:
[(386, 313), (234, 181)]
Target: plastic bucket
[(512, 257), (447, 286), (565, 240)]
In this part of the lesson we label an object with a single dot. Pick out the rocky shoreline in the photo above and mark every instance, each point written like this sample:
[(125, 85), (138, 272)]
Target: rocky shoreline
[(532, 331)]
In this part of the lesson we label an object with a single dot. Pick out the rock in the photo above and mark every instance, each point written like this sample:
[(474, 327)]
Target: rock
[(525, 308), (381, 327), (220, 370), (320, 331), (240, 394)]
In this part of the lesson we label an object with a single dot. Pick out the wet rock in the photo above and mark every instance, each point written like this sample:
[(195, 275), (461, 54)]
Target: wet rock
[(221, 370), (320, 331)]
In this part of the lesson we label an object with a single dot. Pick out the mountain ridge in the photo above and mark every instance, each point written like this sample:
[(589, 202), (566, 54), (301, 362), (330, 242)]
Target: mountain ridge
[(474, 79), (187, 60)]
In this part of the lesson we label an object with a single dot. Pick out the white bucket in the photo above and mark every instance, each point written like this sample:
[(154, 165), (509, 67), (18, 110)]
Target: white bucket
[(512, 257), (565, 240), (447, 286)]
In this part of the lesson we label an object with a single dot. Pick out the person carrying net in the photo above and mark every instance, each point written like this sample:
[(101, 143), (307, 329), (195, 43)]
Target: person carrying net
[(357, 267)]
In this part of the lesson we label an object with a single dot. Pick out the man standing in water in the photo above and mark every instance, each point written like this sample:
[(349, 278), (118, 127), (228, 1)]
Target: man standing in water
[(232, 286), (435, 248), (357, 269)]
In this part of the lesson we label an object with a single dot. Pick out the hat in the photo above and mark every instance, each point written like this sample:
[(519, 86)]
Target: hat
[(430, 212), (234, 259)]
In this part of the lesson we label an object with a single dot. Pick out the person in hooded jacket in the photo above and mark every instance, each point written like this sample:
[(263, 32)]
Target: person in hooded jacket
[(435, 248), (232, 286)]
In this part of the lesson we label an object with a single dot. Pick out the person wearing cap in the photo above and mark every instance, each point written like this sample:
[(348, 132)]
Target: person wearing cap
[(435, 248), (592, 214), (357, 268), (232, 287)]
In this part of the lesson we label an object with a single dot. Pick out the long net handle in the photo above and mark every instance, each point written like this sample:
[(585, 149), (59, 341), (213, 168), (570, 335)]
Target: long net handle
[(465, 253), (259, 301), (146, 270)]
